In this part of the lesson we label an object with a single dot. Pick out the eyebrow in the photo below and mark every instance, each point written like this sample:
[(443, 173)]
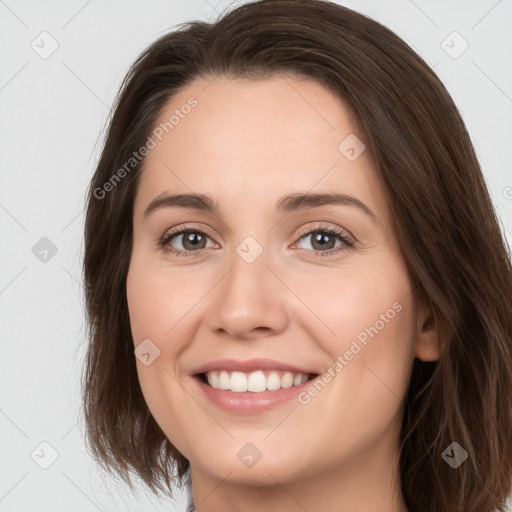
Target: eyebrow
[(289, 203)]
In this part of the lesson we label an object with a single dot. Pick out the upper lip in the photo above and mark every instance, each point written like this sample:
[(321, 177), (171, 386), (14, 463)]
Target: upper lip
[(248, 365)]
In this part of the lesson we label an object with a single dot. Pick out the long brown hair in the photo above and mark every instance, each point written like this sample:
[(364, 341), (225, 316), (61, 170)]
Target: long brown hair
[(444, 219)]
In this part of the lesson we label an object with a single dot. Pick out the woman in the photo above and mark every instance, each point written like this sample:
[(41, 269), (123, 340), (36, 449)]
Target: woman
[(298, 293)]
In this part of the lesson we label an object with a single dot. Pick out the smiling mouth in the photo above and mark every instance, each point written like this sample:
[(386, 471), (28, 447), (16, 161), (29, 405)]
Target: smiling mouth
[(256, 382)]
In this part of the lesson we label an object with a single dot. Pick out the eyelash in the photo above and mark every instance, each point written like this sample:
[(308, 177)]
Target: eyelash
[(347, 239)]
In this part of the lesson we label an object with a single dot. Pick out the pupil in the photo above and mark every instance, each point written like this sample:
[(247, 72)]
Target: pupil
[(194, 239), (322, 239)]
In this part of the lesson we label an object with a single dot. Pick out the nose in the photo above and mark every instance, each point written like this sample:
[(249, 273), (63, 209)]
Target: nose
[(249, 301)]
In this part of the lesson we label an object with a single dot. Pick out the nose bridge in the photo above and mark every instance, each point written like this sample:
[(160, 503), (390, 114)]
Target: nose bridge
[(249, 295)]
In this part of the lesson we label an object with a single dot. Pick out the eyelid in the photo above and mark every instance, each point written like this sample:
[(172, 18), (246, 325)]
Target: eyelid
[(188, 227), (326, 227)]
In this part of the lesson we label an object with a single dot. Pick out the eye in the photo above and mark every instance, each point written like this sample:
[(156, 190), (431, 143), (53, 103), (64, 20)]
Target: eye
[(191, 239), (323, 240)]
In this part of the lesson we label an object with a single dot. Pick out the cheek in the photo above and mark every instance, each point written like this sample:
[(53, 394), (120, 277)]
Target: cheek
[(152, 311), (360, 303), (367, 325), (155, 310), (147, 305), (373, 345), (158, 302)]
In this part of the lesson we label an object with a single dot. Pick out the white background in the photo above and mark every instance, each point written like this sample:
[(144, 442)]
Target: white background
[(52, 114)]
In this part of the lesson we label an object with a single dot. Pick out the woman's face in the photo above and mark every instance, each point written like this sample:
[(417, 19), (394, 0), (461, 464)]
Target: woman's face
[(260, 288)]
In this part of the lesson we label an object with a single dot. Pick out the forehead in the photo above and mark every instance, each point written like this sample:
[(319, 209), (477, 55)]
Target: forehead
[(256, 139)]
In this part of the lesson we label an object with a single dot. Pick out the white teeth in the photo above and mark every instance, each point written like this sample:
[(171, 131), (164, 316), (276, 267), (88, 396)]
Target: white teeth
[(213, 379), (238, 381), (256, 381), (273, 381), (287, 380), (224, 380)]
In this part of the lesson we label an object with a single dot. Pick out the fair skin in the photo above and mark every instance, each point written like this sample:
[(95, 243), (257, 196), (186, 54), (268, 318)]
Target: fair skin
[(245, 145)]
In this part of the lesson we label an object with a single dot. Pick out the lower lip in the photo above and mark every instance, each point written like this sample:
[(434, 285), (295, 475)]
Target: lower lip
[(248, 402)]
